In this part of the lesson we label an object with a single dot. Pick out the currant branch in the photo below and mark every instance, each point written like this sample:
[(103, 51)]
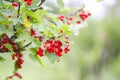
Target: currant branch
[(41, 2), (47, 35), (19, 5)]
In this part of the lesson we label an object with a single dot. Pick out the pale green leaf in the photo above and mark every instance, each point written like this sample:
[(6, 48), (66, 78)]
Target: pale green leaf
[(52, 57), (24, 36), (9, 46), (61, 3)]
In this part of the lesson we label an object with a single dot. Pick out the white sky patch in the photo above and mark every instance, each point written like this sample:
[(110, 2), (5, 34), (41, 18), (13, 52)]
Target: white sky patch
[(109, 2), (96, 8)]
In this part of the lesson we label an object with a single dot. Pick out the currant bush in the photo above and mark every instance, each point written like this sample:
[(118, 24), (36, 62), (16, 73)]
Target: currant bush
[(27, 27)]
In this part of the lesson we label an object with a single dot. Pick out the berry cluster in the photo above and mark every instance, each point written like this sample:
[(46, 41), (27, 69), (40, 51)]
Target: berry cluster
[(71, 19), (19, 60), (84, 15), (28, 2), (53, 46), (6, 40)]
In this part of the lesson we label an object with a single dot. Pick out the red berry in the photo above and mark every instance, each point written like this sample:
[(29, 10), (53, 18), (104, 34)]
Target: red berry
[(32, 32), (66, 37), (70, 18), (13, 56), (61, 31), (20, 60), (10, 77), (25, 0), (61, 18), (86, 16), (68, 23), (89, 14), (29, 3), (15, 4), (30, 0), (59, 54), (57, 43), (66, 49), (78, 22), (18, 75), (40, 52), (9, 16)]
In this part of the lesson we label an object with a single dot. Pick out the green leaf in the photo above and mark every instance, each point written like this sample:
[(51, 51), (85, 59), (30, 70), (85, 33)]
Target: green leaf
[(33, 50), (37, 43), (2, 17), (33, 56), (25, 36), (75, 28), (61, 3), (39, 60), (66, 29), (52, 57), (36, 16), (9, 46), (15, 66), (2, 29), (2, 59)]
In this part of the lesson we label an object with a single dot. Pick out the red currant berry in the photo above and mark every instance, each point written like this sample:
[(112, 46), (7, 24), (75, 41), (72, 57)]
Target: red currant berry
[(89, 14), (15, 4), (78, 22), (18, 75), (29, 3), (32, 32), (40, 52), (70, 18), (66, 49), (61, 18)]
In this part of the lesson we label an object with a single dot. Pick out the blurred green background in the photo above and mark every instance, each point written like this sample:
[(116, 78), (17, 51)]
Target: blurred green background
[(95, 54)]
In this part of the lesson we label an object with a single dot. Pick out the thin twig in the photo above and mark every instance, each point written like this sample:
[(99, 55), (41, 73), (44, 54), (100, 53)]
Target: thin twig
[(18, 9), (27, 45), (42, 1)]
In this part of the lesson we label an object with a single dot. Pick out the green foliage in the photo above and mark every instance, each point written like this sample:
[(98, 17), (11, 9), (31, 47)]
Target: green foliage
[(33, 56), (52, 58), (27, 28), (2, 59), (9, 46), (61, 3)]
